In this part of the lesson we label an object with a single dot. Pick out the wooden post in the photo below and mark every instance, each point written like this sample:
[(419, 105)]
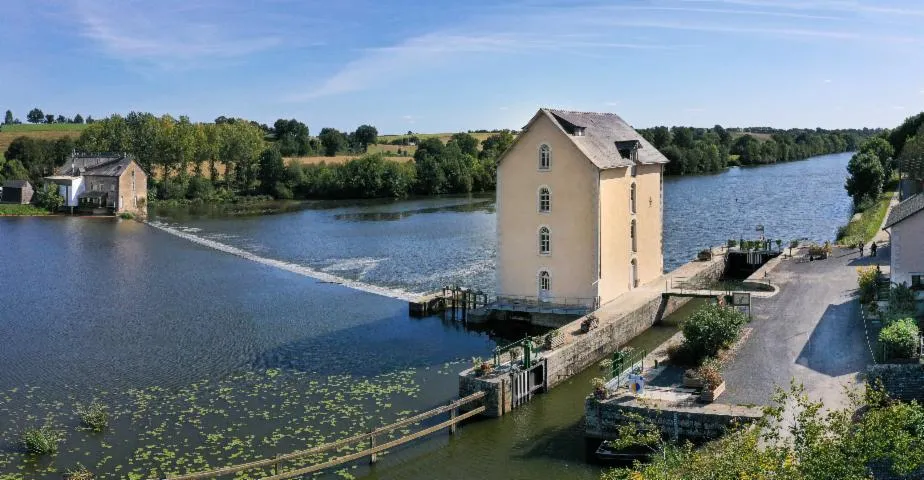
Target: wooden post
[(452, 416), (372, 458), (276, 466)]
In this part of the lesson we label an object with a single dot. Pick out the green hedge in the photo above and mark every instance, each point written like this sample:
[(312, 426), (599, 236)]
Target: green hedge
[(900, 338)]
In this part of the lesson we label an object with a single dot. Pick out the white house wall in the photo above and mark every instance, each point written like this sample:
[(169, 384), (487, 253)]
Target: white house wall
[(907, 248)]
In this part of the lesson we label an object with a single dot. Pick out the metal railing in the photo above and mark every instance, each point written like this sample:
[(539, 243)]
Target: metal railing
[(545, 304), (369, 437)]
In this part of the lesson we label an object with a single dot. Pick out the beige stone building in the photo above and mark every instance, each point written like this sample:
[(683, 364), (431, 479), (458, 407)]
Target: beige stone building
[(103, 184), (906, 230), (579, 211)]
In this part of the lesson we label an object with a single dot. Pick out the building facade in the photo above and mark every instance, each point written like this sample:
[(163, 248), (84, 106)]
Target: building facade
[(579, 210), (906, 229), (103, 183), (17, 191)]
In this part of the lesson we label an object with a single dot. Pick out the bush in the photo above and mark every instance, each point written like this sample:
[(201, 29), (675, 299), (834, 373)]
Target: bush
[(866, 280), (127, 215), (93, 416), (710, 329), (704, 255), (900, 338), (48, 198), (710, 373), (42, 440), (901, 299)]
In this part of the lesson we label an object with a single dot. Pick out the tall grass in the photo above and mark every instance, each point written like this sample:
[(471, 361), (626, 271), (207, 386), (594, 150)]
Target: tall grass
[(42, 440), (866, 227), (21, 210), (94, 416)]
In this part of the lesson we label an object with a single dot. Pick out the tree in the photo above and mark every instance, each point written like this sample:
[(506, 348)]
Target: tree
[(292, 137), (366, 135), (882, 150), (866, 178), (61, 119), (8, 119), (660, 137), (78, 118), (467, 143), (332, 140), (272, 170), (35, 116), (49, 118), (493, 146), (48, 197)]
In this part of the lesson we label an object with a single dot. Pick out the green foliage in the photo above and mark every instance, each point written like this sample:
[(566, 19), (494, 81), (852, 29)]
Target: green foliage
[(79, 472), (865, 228), (882, 150), (866, 177), (710, 372), (900, 338), (35, 157), (8, 118), (711, 328), (35, 116), (47, 197), (866, 281), (15, 209), (813, 444), (292, 137), (904, 132), (364, 136), (93, 416), (901, 299), (332, 140), (912, 156), (127, 216), (42, 440)]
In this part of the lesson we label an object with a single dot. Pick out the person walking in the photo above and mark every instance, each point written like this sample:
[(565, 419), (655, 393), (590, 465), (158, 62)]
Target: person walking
[(861, 249), (872, 250)]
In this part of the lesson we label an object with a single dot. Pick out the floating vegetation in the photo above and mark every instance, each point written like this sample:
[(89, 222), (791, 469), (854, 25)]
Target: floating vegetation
[(79, 473), (94, 416), (157, 432), (42, 440)]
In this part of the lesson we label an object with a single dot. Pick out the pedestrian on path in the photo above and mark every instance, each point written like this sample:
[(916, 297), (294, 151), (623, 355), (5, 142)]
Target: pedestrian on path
[(861, 249), (872, 249)]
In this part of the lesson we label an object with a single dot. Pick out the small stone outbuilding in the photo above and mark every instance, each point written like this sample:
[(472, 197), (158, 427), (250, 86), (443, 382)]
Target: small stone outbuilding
[(17, 191)]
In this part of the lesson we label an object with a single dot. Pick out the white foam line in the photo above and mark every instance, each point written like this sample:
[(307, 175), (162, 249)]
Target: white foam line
[(289, 267)]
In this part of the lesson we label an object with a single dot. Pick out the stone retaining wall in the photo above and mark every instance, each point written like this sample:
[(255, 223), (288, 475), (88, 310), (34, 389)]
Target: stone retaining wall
[(904, 381), (698, 423)]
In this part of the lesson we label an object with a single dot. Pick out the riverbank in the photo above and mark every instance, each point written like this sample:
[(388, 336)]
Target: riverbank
[(17, 210), (862, 229)]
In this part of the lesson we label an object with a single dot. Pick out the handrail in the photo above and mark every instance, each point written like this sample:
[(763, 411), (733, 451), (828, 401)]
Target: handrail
[(340, 443)]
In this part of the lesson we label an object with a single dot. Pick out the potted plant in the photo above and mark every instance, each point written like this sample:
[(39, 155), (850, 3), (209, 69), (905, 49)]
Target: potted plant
[(713, 383), (553, 339), (704, 255), (589, 323), (599, 385), (481, 367)]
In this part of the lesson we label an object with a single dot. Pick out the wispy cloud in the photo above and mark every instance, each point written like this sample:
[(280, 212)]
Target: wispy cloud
[(827, 80), (170, 32)]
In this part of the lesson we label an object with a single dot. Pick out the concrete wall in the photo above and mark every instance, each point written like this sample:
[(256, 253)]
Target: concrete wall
[(572, 219), (901, 381), (70, 192), (907, 252), (697, 423), (498, 392), (616, 216), (585, 350)]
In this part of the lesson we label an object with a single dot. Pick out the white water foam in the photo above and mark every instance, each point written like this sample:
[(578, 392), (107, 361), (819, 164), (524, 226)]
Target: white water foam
[(289, 267)]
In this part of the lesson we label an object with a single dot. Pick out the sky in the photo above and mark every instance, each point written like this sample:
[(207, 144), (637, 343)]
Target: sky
[(436, 66)]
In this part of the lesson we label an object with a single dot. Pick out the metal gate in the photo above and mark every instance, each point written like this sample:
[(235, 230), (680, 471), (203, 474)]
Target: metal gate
[(522, 388)]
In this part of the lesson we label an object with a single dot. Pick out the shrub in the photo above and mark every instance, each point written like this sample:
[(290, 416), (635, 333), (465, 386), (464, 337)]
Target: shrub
[(126, 215), (901, 299), (866, 280), (732, 243), (78, 473), (710, 373), (93, 416), (704, 255), (42, 440), (48, 198), (710, 329), (900, 338)]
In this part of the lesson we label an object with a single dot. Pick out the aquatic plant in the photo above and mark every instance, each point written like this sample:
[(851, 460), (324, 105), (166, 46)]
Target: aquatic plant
[(42, 440), (80, 472), (94, 416)]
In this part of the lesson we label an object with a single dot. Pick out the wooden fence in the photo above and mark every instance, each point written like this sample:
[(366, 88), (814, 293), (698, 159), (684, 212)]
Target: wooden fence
[(369, 438)]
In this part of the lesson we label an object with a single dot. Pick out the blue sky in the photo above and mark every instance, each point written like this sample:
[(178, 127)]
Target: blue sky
[(460, 65)]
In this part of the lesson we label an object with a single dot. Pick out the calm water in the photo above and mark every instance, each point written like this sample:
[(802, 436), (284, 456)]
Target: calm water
[(207, 358)]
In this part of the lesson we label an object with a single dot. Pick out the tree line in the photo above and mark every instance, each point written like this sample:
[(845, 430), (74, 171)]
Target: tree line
[(705, 150), (881, 157), (36, 115)]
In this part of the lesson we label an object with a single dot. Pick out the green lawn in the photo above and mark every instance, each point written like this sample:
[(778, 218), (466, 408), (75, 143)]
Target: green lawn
[(866, 227), (21, 210), (43, 127)]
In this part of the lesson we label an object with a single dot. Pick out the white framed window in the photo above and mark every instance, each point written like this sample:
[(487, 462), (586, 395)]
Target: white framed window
[(545, 199), (633, 234), (545, 241), (545, 283), (545, 157), (632, 197), (917, 281)]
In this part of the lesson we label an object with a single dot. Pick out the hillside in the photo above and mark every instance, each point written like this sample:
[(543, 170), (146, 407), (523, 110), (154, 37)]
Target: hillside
[(52, 131)]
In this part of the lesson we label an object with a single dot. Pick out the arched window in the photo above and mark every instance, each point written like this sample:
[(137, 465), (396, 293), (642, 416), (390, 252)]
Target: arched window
[(545, 200), (632, 198), (545, 157), (545, 241), (634, 236), (545, 283), (633, 274)]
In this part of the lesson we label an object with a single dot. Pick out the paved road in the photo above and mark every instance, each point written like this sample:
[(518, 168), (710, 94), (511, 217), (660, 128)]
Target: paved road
[(811, 331)]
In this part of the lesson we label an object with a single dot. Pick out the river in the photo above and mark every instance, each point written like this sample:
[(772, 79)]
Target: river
[(207, 358)]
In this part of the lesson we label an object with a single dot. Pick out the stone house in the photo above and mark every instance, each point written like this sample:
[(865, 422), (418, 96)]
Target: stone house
[(103, 184), (17, 191), (579, 210), (906, 229)]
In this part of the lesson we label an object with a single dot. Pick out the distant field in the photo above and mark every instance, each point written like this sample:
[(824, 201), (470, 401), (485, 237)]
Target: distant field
[(52, 131), (410, 149), (444, 137), (337, 159), (759, 136)]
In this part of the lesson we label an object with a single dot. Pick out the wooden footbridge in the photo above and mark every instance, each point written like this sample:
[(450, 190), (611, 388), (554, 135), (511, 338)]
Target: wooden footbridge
[(369, 438)]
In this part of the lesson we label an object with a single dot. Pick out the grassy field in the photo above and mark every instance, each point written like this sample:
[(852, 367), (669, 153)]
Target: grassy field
[(337, 159), (444, 137), (51, 131), (866, 227), (410, 149), (21, 210), (759, 136)]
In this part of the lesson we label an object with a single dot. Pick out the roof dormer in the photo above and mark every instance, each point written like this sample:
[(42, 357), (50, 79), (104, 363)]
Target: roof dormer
[(628, 149)]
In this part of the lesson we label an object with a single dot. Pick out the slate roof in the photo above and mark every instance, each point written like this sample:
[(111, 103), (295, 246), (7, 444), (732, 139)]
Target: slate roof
[(905, 209), (102, 165), (604, 134), (16, 184)]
